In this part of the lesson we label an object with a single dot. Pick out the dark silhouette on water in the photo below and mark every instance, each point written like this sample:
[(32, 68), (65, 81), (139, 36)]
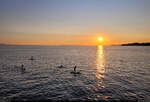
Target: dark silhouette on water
[(61, 66), (75, 68), (136, 44), (75, 72), (32, 58), (22, 68)]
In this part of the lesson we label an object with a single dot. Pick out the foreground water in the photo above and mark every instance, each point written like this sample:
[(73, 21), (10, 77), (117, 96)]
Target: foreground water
[(112, 73)]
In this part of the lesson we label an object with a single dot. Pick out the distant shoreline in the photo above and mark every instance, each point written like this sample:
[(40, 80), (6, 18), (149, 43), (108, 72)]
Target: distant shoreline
[(136, 44)]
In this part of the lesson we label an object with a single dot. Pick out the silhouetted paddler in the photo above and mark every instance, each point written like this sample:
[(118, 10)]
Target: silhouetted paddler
[(22, 67), (75, 68), (61, 66), (31, 58), (75, 72)]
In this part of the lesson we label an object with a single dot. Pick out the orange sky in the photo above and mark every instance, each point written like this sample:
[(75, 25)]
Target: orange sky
[(85, 39), (74, 22)]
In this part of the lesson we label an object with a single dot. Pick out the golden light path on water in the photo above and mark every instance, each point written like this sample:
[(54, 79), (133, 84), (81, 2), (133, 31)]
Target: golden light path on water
[(100, 65)]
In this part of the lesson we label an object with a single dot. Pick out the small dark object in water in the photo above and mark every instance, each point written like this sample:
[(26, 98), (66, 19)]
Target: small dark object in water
[(75, 72), (75, 68), (61, 66), (31, 58), (22, 67)]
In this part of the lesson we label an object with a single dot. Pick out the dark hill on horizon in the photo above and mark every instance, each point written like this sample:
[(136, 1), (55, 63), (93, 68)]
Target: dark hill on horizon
[(136, 44)]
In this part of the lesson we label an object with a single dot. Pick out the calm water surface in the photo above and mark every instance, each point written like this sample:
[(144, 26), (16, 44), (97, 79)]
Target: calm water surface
[(107, 73)]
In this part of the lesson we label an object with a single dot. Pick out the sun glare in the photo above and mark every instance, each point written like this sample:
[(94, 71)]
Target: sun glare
[(100, 39)]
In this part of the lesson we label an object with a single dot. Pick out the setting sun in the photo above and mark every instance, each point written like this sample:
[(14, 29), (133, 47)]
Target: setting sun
[(100, 39)]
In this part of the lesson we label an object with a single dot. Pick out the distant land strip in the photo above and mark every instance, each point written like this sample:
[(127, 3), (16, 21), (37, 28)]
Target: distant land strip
[(136, 44)]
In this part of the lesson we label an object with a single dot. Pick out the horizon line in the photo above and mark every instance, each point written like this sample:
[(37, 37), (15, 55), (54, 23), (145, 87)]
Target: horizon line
[(5, 44)]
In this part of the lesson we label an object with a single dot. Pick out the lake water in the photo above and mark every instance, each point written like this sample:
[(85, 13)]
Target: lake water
[(109, 73)]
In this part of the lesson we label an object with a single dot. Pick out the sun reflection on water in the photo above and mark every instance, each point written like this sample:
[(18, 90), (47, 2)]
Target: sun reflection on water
[(100, 65)]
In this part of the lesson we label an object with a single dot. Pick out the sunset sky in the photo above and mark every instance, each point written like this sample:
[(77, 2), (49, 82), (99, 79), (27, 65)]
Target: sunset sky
[(74, 22)]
